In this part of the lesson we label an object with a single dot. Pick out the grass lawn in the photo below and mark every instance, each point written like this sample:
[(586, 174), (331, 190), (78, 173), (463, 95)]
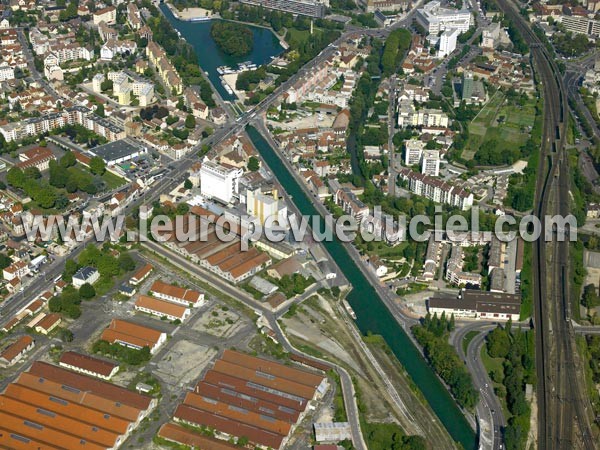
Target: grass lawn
[(302, 35), (112, 181), (508, 125), (467, 339)]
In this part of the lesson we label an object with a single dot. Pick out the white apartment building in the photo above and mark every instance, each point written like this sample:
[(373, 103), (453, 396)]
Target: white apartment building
[(413, 150), (434, 18), (219, 182), (7, 73), (409, 116), (448, 42), (436, 190), (490, 35), (107, 15), (581, 25), (430, 163)]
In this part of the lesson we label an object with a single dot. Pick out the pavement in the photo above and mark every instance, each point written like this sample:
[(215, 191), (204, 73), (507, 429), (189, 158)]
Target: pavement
[(489, 413)]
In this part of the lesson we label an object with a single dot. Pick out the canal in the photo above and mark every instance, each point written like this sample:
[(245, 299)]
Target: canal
[(266, 45), (372, 314)]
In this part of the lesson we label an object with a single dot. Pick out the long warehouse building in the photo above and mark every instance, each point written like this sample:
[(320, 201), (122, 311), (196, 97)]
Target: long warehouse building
[(51, 407)]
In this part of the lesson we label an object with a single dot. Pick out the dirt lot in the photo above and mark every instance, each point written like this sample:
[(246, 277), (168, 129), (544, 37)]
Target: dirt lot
[(179, 367)]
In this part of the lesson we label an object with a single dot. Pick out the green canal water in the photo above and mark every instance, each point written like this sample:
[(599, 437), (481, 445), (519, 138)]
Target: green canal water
[(372, 314), (266, 45)]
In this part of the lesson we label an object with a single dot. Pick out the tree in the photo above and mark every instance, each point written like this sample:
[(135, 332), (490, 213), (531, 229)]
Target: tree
[(87, 291), (126, 262), (15, 177), (253, 164), (590, 298), (187, 184), (5, 261), (66, 335), (99, 110), (498, 343), (106, 85), (71, 267), (68, 159), (190, 122), (32, 173), (97, 165)]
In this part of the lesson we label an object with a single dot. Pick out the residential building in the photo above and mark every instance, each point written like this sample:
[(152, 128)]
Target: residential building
[(88, 365), (161, 308), (48, 323), (85, 275), (581, 25), (107, 15), (18, 269), (134, 336), (490, 35), (16, 351), (447, 42), (430, 163), (6, 73), (176, 294), (141, 274), (311, 8), (219, 182), (413, 151), (436, 190)]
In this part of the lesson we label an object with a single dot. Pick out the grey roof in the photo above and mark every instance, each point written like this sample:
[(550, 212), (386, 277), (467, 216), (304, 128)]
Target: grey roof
[(85, 273), (115, 150)]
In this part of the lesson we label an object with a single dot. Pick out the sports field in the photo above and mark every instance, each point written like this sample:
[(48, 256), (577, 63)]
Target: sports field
[(507, 125)]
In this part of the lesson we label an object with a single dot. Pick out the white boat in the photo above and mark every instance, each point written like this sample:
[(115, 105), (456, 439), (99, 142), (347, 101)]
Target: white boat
[(200, 19), (349, 309), (227, 88)]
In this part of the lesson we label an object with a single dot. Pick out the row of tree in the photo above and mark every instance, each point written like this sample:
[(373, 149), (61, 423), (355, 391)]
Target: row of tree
[(517, 348), (432, 334)]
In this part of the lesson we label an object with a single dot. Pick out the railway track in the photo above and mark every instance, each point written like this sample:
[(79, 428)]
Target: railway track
[(562, 419)]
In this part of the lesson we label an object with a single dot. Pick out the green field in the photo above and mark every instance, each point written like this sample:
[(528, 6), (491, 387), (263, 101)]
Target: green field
[(506, 125), (112, 181), (302, 35)]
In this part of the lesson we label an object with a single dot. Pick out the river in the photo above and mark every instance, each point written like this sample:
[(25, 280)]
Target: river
[(266, 45), (372, 314)]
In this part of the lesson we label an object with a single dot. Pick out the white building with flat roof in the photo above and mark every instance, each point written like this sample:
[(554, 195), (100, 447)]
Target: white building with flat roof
[(413, 150), (219, 182), (448, 42), (434, 18), (430, 163)]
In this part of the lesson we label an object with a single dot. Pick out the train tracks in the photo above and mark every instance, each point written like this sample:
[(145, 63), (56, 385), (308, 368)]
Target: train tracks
[(562, 410)]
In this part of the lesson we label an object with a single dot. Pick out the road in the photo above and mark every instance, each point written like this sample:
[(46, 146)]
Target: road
[(488, 410), (562, 407)]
